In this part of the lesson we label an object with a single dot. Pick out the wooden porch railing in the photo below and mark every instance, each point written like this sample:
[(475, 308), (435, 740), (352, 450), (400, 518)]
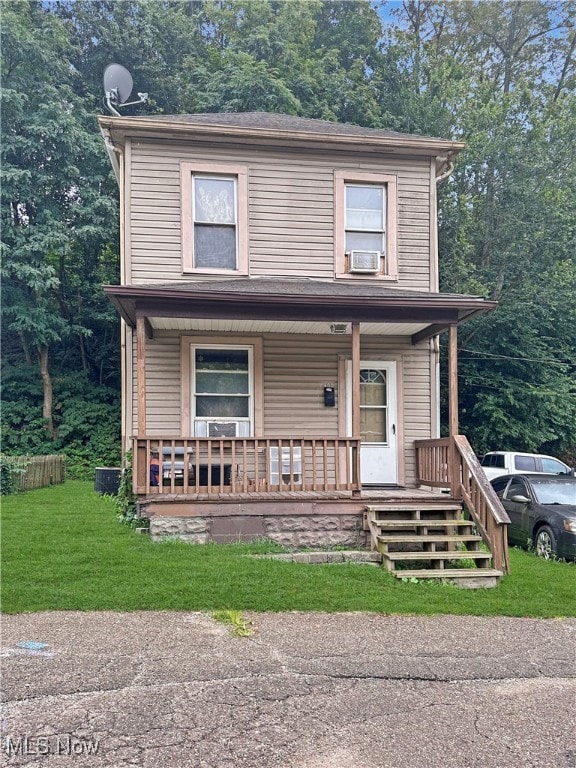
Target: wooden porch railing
[(244, 464), (451, 463)]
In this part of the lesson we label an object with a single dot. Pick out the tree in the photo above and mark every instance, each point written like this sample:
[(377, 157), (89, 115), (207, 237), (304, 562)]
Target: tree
[(58, 207)]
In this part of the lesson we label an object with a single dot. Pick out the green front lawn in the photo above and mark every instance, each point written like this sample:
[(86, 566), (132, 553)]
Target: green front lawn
[(63, 550)]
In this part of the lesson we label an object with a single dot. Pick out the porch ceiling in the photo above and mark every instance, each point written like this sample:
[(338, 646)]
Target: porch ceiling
[(296, 302), (280, 326)]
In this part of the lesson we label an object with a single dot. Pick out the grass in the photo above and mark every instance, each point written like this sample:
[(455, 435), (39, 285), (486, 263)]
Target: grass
[(64, 550)]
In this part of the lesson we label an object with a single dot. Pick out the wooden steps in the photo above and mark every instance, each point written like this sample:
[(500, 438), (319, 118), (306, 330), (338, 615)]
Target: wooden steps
[(430, 541)]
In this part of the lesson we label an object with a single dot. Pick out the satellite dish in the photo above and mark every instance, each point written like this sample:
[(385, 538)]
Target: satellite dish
[(118, 85)]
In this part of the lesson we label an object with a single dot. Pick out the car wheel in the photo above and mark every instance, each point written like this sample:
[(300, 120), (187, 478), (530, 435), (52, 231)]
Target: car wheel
[(545, 543)]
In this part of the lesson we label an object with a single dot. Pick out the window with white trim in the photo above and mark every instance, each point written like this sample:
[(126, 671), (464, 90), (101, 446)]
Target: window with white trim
[(365, 225), (222, 391), (214, 218), (214, 213)]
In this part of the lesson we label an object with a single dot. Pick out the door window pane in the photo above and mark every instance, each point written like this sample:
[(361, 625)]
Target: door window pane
[(373, 425), (526, 463), (516, 488), (372, 388), (552, 466), (373, 406)]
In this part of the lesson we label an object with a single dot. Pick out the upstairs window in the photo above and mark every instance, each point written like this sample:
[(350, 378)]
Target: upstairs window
[(214, 219), (365, 225), (214, 214)]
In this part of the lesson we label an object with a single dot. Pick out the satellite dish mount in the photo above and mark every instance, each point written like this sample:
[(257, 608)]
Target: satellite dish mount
[(118, 85)]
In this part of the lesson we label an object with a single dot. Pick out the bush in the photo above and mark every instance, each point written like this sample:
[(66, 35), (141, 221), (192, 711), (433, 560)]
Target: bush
[(86, 417), (10, 469), (125, 500)]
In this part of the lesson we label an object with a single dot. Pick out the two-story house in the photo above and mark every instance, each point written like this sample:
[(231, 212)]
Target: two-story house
[(281, 313)]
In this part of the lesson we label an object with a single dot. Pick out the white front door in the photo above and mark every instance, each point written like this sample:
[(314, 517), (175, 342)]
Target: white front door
[(378, 432)]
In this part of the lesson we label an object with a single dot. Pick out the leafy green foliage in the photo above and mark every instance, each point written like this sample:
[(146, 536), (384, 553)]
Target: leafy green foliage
[(10, 469), (86, 419), (125, 500)]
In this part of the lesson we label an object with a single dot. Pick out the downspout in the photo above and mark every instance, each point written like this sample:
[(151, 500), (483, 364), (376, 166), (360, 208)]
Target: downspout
[(113, 153), (447, 172)]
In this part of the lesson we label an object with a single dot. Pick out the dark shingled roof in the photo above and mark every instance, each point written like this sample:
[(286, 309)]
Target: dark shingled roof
[(303, 298), (297, 287), (278, 122)]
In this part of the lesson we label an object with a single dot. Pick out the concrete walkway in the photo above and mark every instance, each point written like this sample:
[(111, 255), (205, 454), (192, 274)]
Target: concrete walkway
[(304, 691)]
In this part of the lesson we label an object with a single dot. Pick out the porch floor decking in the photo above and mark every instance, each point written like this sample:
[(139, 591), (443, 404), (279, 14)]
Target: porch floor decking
[(366, 495)]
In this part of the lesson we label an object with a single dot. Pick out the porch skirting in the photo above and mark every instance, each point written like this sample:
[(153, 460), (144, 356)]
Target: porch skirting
[(294, 530), (327, 519)]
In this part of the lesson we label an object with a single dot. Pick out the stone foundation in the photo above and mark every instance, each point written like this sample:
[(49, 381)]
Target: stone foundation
[(289, 530)]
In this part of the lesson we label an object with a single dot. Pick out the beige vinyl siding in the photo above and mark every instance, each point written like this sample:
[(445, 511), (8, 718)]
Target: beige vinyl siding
[(296, 369), (291, 210), (162, 384)]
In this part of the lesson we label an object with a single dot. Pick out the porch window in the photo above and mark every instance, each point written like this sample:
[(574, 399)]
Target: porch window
[(365, 226), (214, 218), (222, 399)]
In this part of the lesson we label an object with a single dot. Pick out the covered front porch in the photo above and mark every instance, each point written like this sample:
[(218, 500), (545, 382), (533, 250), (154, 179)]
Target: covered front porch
[(308, 500), (302, 461)]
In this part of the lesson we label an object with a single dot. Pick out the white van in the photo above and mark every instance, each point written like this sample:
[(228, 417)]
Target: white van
[(497, 463)]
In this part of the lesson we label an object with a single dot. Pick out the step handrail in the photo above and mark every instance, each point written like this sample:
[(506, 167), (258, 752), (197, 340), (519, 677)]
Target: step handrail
[(451, 462), (481, 501)]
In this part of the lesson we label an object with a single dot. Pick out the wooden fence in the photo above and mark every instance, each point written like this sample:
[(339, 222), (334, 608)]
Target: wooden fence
[(40, 471)]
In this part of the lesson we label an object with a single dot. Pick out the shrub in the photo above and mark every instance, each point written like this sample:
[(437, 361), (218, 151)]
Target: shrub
[(10, 469), (125, 500), (86, 417)]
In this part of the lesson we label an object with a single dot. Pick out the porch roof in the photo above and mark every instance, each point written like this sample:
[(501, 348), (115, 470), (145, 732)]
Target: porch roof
[(302, 299)]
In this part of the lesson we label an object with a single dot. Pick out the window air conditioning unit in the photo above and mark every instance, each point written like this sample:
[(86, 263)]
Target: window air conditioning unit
[(222, 428), (364, 261)]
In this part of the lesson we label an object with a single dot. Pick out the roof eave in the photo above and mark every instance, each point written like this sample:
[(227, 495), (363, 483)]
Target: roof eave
[(131, 301), (124, 126)]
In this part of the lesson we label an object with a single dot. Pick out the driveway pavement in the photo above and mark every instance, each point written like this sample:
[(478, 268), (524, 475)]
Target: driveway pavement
[(304, 691)]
